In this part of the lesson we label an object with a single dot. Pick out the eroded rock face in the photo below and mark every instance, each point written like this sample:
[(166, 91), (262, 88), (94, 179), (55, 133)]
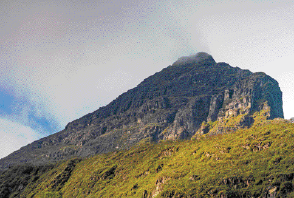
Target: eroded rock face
[(171, 104)]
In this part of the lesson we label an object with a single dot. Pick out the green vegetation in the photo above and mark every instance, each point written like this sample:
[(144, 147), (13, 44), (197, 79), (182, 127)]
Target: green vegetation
[(254, 162)]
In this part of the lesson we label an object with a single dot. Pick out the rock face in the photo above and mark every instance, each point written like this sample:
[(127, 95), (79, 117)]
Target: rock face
[(171, 104)]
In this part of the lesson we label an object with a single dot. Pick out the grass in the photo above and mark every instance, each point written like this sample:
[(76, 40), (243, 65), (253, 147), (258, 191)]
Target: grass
[(252, 162)]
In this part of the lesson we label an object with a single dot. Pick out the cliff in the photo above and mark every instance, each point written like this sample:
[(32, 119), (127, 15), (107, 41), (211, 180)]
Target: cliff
[(175, 103)]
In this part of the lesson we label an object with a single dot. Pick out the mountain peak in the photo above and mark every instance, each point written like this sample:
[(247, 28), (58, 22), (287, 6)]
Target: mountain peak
[(199, 58), (179, 102)]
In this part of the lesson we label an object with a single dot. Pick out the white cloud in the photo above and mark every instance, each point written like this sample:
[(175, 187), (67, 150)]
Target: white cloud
[(14, 136), (286, 83), (67, 68)]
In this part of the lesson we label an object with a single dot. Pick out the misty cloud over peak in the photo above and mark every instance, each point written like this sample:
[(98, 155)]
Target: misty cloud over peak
[(195, 58)]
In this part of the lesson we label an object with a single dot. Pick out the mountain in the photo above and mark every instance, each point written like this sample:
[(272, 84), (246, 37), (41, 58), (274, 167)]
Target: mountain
[(192, 97), (255, 162)]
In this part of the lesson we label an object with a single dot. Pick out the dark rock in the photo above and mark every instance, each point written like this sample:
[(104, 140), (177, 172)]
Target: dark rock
[(171, 104)]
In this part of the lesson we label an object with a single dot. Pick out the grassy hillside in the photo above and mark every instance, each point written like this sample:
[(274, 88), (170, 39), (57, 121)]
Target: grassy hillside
[(255, 162)]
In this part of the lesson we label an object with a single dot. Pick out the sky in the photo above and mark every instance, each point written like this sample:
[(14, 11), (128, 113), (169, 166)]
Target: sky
[(62, 59)]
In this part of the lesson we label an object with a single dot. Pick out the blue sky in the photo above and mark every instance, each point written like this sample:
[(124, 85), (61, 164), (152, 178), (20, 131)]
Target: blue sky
[(60, 60)]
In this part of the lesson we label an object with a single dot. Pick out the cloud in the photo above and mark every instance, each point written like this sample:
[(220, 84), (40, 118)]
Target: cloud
[(65, 64), (286, 83), (14, 136)]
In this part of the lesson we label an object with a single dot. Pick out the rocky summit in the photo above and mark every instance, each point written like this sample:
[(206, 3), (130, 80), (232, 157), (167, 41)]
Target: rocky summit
[(193, 96)]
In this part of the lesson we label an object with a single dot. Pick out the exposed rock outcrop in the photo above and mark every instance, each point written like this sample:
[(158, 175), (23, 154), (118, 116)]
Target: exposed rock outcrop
[(171, 104)]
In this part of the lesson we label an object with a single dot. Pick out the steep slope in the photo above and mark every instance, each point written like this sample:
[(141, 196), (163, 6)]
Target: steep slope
[(171, 104), (255, 162)]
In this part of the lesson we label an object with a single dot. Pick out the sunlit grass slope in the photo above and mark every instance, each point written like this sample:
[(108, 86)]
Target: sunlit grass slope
[(255, 162)]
